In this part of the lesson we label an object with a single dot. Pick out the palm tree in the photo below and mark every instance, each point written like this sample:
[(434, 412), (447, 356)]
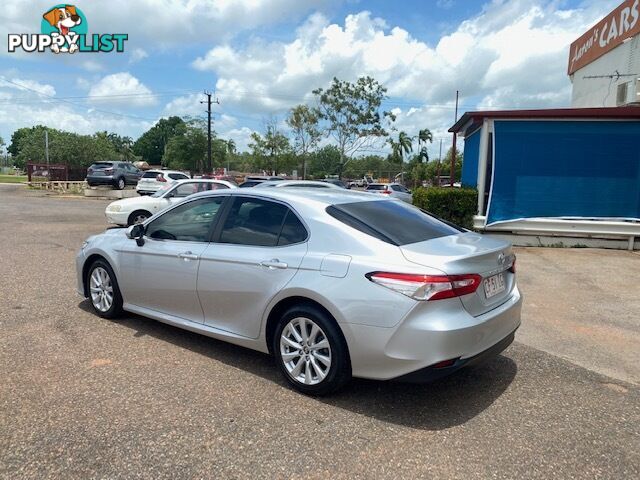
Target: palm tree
[(231, 150), (424, 136), (402, 147)]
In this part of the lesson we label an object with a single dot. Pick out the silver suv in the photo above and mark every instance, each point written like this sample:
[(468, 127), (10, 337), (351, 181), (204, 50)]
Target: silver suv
[(117, 174)]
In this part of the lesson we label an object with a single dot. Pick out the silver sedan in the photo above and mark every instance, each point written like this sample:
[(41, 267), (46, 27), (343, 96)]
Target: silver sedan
[(333, 283)]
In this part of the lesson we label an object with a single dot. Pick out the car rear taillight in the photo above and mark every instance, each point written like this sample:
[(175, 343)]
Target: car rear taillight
[(427, 287), (90, 170), (161, 178), (387, 192), (512, 268)]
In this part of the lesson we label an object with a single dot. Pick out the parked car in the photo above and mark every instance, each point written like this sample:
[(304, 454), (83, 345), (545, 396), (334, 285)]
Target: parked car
[(297, 184), (130, 211), (117, 174), (338, 183), (393, 190), (254, 180), (154, 180), (333, 286)]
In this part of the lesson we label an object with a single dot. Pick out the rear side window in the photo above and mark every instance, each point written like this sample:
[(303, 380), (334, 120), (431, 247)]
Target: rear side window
[(392, 221), (177, 176), (258, 222)]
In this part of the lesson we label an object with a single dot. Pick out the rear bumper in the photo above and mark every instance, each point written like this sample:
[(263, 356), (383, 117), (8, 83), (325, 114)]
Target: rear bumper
[(100, 180), (430, 333), (429, 374)]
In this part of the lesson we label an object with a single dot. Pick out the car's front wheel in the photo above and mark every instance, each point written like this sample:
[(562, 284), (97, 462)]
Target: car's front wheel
[(311, 352), (103, 290), (139, 216)]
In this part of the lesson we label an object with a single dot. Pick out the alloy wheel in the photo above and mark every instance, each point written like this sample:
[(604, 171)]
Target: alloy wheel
[(121, 183), (140, 218), (305, 351), (101, 289)]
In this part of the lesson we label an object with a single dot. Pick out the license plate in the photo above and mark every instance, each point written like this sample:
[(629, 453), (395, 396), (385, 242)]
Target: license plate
[(494, 285)]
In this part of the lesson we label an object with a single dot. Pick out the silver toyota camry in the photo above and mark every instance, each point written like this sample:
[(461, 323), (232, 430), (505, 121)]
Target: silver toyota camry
[(333, 283)]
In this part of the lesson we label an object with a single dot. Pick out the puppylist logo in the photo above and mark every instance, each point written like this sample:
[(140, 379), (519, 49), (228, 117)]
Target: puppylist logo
[(64, 30)]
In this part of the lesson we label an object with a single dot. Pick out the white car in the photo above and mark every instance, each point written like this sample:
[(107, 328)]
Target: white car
[(393, 190), (153, 180), (130, 211), (297, 184)]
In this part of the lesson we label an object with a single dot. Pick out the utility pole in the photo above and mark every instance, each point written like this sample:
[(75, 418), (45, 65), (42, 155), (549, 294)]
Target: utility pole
[(46, 147), (439, 164), (453, 149), (209, 102)]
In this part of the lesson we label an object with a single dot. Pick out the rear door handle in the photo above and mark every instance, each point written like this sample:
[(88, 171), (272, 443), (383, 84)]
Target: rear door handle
[(188, 256), (273, 263)]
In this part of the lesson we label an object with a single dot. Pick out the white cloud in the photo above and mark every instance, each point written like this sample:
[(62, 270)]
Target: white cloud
[(512, 55), (137, 54), (29, 87), (129, 90)]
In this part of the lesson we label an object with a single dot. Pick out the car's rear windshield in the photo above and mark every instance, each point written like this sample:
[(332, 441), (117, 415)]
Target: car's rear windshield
[(150, 174), (102, 165), (376, 187), (392, 221)]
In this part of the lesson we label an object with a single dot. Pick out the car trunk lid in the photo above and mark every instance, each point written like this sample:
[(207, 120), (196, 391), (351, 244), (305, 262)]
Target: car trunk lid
[(470, 253)]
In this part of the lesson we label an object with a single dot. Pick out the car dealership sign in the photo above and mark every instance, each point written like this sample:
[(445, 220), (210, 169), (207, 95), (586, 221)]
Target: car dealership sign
[(607, 34)]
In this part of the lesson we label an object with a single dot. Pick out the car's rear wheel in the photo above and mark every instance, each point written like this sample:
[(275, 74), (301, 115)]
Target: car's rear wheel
[(103, 290), (139, 216), (120, 184), (311, 352)]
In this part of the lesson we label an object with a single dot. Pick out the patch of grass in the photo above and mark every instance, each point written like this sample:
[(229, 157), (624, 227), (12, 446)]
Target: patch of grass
[(13, 178)]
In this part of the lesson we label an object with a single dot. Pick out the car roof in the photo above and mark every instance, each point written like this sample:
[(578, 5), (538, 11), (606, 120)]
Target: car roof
[(285, 183), (312, 196)]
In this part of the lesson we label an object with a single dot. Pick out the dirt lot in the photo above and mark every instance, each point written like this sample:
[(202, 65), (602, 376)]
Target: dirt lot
[(84, 397)]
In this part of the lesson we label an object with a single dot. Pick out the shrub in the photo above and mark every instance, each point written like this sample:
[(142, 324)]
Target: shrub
[(456, 205)]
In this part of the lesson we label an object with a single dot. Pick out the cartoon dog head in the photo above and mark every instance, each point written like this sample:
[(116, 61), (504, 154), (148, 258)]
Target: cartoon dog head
[(63, 18)]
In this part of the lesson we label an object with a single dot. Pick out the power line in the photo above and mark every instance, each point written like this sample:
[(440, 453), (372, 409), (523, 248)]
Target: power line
[(75, 103)]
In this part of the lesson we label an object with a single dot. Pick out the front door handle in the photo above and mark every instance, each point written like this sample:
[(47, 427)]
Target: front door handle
[(273, 263), (188, 256)]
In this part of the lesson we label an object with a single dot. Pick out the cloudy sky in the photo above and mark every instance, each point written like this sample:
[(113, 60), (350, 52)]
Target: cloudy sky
[(261, 57)]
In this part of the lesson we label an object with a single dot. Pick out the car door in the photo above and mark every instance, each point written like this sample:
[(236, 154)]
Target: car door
[(257, 250), (161, 274)]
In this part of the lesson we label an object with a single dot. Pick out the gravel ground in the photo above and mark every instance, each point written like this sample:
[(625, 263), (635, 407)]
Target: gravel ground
[(84, 397)]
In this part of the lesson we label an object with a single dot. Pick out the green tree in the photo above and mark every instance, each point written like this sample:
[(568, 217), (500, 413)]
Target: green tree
[(424, 136), (304, 123), (151, 144), (351, 115), (186, 150), (269, 149), (325, 161), (401, 147)]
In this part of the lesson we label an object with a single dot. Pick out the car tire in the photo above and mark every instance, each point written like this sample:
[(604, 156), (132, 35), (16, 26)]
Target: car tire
[(121, 183), (100, 282), (318, 365), (138, 216)]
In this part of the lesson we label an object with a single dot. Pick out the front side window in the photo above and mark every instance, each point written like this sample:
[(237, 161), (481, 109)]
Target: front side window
[(190, 222), (253, 221)]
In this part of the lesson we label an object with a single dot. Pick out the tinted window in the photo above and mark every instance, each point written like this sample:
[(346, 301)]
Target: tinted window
[(253, 221), (306, 185), (292, 230), (376, 187), (101, 165), (250, 183), (392, 221), (177, 176), (395, 188), (150, 175), (189, 222), (189, 188)]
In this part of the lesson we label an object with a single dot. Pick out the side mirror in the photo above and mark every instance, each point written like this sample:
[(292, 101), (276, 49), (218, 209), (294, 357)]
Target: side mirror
[(136, 232)]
